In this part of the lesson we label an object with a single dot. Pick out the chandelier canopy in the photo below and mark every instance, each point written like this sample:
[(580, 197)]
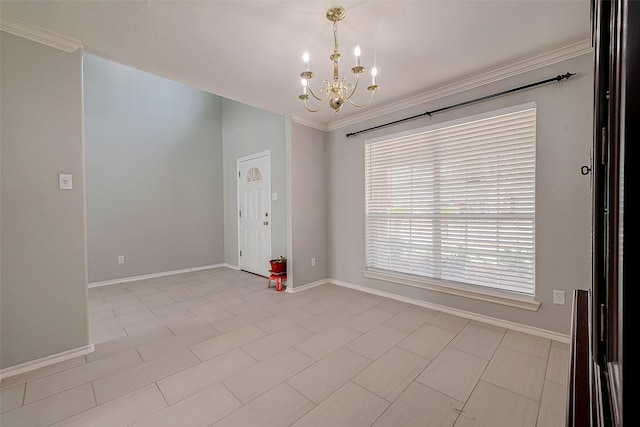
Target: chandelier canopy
[(336, 91)]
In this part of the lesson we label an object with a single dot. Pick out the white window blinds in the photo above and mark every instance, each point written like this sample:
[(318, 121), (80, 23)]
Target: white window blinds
[(456, 203)]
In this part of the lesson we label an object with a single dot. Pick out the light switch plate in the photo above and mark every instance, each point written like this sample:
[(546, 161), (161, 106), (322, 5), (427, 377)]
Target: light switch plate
[(65, 181)]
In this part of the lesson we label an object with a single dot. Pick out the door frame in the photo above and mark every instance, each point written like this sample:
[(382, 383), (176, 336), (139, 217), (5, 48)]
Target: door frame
[(239, 160)]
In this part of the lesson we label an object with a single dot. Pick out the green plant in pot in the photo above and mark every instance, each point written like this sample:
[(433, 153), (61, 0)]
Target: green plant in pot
[(279, 265)]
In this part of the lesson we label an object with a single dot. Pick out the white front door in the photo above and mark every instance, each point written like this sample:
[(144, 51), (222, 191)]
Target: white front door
[(254, 213)]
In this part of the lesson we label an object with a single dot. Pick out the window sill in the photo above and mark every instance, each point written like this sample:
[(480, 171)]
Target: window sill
[(503, 298)]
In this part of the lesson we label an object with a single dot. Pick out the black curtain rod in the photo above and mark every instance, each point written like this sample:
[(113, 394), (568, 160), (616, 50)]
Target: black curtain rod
[(439, 110)]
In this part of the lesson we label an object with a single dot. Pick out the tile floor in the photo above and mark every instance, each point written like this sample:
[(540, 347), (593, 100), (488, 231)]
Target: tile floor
[(219, 348)]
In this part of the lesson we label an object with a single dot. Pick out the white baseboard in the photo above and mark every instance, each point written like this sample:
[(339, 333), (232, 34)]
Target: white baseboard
[(306, 286), (45, 361), (161, 274), (461, 313)]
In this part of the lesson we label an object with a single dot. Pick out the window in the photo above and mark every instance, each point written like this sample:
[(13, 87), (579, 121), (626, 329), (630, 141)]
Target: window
[(254, 175), (456, 202)]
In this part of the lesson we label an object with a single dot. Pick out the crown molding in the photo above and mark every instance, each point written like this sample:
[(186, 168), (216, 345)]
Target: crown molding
[(309, 123), (552, 57), (37, 34)]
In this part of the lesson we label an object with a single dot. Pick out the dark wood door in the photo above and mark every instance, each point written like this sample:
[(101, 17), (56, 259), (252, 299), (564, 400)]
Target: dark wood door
[(616, 33)]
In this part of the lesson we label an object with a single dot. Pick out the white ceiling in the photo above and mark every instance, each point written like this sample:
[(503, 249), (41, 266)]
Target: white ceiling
[(251, 51)]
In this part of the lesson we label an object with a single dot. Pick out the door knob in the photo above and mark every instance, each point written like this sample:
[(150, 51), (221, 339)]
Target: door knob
[(265, 223)]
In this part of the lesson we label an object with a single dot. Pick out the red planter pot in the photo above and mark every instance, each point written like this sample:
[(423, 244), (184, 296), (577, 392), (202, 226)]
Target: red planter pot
[(278, 266)]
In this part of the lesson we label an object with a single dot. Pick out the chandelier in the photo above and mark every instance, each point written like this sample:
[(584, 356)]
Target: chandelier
[(336, 91)]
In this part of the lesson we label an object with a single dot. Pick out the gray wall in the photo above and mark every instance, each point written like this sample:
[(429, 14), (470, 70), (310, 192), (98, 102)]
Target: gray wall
[(309, 222), (154, 173), (563, 198), (247, 130), (43, 265)]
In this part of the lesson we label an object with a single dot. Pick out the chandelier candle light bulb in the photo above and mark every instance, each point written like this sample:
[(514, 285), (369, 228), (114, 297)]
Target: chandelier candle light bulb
[(305, 58), (336, 91)]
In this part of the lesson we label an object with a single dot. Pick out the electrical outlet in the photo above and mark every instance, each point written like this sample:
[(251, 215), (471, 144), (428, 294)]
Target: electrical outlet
[(65, 181), (558, 297), (121, 259), (313, 262)]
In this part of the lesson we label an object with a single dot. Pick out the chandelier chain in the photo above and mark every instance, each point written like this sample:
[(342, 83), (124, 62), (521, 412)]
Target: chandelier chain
[(335, 36)]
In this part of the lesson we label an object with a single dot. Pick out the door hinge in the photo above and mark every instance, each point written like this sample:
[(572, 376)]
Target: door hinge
[(240, 253), (240, 214), (238, 174)]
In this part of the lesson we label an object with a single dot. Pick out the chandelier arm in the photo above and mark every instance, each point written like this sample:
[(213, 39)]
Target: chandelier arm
[(314, 95), (355, 86), (310, 109), (362, 105)]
